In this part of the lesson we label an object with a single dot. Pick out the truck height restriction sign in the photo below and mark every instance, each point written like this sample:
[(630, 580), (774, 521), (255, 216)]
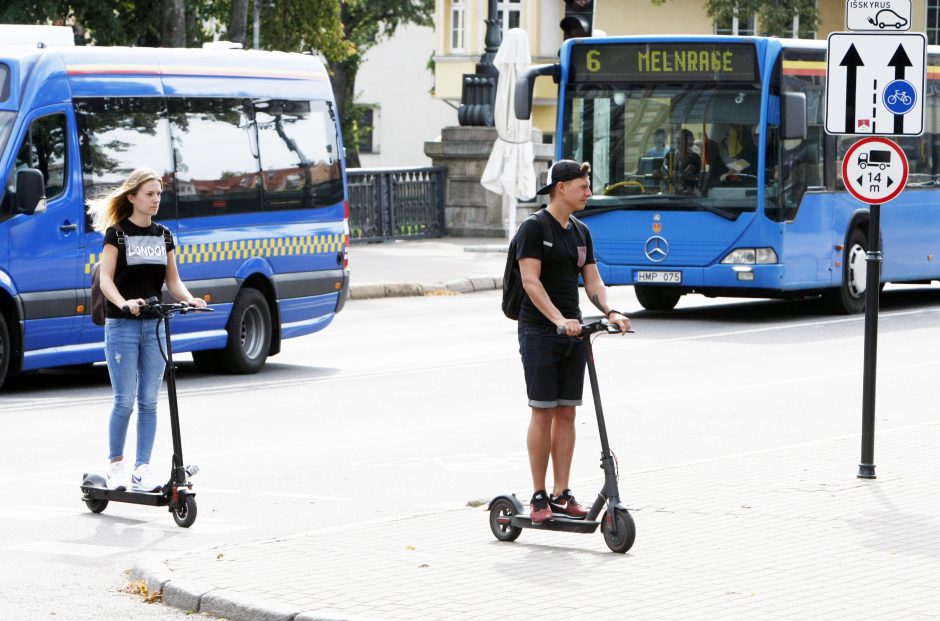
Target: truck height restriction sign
[(875, 170), (875, 83)]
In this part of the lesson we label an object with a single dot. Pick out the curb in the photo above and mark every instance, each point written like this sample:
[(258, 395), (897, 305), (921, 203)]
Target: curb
[(413, 289), (191, 597)]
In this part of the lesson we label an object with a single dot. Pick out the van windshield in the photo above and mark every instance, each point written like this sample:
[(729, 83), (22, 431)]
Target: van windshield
[(6, 126)]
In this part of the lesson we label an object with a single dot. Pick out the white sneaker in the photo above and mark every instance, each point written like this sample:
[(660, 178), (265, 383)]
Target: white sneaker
[(143, 480), (117, 476)]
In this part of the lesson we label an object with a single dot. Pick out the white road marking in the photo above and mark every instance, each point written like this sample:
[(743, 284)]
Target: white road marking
[(66, 548)]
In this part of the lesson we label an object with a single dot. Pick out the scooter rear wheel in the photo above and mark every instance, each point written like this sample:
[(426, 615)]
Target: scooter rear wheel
[(626, 531), (502, 510), (185, 514)]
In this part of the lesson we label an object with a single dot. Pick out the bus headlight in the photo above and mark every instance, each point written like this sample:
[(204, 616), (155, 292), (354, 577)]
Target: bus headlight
[(750, 256)]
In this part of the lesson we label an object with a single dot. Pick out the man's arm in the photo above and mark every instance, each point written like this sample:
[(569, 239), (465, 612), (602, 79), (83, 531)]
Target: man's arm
[(597, 293)]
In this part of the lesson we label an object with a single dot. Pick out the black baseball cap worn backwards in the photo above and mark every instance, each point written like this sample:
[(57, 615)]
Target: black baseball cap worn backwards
[(564, 170)]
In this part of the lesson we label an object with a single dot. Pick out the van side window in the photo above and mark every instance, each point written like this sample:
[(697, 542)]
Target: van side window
[(215, 147), (300, 163), (117, 135), (45, 148)]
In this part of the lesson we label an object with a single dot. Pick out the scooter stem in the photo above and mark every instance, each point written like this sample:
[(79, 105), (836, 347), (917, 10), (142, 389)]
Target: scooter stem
[(178, 472)]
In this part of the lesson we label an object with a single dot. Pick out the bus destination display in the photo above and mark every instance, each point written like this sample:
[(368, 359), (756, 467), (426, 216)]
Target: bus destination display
[(664, 62)]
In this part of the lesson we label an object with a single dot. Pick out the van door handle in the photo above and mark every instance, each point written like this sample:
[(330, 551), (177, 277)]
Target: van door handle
[(65, 228)]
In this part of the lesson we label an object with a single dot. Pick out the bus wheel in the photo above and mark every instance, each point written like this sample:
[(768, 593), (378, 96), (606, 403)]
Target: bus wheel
[(849, 297), (249, 334), (4, 350), (656, 298)]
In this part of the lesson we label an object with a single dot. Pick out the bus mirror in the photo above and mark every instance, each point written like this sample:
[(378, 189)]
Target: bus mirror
[(794, 116), (30, 191), (525, 85)]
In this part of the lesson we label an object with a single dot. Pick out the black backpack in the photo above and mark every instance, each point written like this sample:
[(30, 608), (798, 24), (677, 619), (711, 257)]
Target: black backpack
[(513, 291), (99, 303)]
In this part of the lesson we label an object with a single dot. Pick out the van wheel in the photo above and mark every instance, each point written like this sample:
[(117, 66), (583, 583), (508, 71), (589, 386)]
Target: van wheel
[(5, 350), (249, 334), (849, 297), (656, 298)]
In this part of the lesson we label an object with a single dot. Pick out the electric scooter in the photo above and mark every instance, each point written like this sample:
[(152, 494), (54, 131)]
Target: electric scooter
[(508, 515), (178, 493)]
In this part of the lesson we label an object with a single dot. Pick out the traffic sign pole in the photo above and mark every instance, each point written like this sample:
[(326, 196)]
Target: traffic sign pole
[(875, 171), (866, 468)]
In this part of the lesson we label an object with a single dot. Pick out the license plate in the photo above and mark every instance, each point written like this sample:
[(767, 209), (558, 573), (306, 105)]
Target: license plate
[(661, 277)]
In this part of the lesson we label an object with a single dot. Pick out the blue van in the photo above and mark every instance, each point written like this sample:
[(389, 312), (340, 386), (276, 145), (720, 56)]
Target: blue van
[(250, 150)]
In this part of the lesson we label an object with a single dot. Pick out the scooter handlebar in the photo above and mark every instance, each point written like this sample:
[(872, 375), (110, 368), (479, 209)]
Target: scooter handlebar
[(153, 304), (596, 325)]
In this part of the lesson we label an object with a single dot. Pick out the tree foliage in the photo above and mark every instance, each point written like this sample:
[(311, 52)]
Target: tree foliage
[(341, 30), (774, 17)]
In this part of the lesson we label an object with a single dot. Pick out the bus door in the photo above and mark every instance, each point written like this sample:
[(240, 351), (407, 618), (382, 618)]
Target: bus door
[(46, 247)]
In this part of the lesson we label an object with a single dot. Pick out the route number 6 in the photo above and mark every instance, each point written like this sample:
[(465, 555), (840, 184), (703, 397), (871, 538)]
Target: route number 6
[(593, 62)]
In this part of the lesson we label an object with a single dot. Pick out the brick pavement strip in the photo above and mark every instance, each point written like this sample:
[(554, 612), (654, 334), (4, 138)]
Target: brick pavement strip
[(771, 534)]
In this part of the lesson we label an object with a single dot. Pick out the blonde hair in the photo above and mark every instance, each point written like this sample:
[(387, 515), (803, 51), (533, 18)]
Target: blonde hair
[(115, 207)]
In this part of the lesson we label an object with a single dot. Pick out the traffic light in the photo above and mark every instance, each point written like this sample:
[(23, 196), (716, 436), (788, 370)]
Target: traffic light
[(579, 18)]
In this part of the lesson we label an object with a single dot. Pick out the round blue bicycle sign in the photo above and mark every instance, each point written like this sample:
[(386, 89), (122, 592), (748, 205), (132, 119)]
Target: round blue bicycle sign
[(899, 97)]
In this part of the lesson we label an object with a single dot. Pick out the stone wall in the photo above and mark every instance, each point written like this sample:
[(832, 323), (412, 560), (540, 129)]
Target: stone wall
[(469, 209)]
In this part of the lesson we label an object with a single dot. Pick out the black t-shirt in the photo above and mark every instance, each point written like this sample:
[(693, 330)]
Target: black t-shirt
[(561, 266), (141, 262)]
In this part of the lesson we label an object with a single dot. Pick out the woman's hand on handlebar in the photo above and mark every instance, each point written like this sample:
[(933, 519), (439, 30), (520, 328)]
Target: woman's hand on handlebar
[(133, 306), (197, 303)]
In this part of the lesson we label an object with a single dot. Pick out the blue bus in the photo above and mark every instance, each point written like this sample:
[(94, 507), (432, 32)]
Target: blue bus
[(249, 147), (748, 201)]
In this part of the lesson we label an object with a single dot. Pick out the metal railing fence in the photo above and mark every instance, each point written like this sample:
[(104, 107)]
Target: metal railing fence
[(395, 203)]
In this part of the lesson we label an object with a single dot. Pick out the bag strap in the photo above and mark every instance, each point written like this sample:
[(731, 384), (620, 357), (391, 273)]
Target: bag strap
[(579, 228), (548, 238)]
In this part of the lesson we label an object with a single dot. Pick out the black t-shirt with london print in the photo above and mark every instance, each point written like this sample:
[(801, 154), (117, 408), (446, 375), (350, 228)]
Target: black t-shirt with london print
[(141, 262)]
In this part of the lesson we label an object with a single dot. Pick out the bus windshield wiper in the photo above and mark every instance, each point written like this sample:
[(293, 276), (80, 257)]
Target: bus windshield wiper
[(606, 204)]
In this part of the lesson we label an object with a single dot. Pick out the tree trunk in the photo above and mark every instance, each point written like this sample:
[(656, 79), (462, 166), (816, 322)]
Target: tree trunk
[(192, 35), (238, 26), (344, 88), (174, 24)]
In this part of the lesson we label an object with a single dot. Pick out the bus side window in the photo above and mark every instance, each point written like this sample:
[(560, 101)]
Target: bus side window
[(119, 134), (44, 148), (802, 167), (298, 145), (216, 169)]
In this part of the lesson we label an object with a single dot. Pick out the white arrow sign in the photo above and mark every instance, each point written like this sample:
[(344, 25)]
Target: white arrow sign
[(875, 83)]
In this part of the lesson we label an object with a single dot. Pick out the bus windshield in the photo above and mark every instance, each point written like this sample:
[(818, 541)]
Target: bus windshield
[(665, 140)]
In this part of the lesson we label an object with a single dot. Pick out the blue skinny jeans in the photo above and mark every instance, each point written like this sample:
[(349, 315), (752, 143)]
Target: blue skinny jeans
[(136, 366)]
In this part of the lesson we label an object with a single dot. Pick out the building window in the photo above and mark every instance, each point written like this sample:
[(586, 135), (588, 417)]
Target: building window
[(933, 22), (741, 24), (456, 25), (510, 14), (367, 130)]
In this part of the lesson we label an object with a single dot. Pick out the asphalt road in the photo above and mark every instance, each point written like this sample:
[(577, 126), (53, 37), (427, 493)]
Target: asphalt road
[(410, 405)]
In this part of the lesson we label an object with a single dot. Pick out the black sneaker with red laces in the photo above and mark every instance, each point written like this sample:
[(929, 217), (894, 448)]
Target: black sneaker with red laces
[(539, 511), (565, 504)]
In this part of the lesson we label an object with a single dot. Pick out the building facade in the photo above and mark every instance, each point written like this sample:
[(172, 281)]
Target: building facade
[(460, 28)]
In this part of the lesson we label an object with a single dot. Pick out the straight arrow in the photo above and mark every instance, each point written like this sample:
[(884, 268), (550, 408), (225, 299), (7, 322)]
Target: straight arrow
[(851, 61), (900, 62)]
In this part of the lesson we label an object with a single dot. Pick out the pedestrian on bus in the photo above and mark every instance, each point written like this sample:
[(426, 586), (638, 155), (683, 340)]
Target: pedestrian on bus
[(137, 259), (554, 363)]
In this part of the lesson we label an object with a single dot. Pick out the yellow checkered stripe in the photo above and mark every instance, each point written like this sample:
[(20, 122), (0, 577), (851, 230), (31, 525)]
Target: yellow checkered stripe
[(248, 248)]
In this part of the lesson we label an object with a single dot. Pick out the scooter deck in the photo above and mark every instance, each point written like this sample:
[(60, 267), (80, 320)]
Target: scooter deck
[(558, 523), (154, 499)]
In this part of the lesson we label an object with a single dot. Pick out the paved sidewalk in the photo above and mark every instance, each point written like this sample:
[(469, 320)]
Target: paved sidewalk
[(786, 533), (448, 265)]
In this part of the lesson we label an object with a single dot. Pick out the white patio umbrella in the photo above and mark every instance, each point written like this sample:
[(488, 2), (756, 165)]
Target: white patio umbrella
[(510, 170)]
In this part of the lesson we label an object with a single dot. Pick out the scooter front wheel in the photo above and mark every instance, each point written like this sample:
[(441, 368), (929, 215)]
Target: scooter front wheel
[(501, 512), (96, 505), (623, 539), (185, 514)]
